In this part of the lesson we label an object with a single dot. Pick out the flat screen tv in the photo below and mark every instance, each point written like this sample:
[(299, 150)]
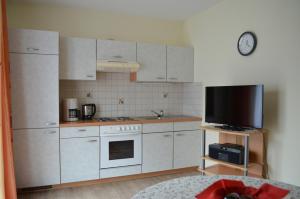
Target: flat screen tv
[(235, 106)]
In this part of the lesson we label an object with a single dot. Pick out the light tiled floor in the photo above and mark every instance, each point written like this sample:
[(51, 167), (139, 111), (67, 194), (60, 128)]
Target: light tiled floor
[(115, 190)]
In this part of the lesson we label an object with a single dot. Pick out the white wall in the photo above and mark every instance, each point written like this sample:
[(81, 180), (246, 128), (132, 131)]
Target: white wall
[(84, 22), (275, 63)]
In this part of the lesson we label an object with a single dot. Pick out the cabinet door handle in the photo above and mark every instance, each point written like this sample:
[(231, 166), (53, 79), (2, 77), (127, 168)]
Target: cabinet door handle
[(92, 140), (180, 134), (81, 130), (51, 132), (91, 76), (118, 56), (166, 136), (160, 78), (173, 78), (32, 49), (50, 123)]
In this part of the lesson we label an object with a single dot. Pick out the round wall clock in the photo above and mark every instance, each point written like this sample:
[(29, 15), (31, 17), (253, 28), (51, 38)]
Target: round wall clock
[(247, 43)]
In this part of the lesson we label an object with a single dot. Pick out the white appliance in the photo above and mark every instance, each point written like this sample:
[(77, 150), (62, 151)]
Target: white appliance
[(70, 109), (121, 145), (117, 66)]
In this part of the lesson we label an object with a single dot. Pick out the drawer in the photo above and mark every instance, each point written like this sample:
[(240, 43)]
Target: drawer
[(186, 126), (157, 127), (86, 131), (120, 171), (33, 41)]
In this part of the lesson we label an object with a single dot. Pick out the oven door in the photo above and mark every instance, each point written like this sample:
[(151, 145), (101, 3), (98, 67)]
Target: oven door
[(120, 150)]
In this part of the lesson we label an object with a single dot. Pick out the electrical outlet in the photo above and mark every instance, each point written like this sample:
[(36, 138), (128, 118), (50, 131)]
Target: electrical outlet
[(121, 100)]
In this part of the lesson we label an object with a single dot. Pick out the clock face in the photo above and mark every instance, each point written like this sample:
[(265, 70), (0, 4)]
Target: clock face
[(247, 43)]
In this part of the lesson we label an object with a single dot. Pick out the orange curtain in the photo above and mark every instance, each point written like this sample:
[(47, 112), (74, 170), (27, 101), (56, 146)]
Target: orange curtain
[(8, 176)]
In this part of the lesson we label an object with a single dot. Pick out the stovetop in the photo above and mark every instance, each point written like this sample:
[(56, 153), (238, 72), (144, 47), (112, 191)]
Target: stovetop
[(114, 119)]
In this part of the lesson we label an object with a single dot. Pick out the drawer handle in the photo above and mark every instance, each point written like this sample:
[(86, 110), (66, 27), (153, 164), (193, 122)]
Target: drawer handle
[(50, 123), (51, 132), (82, 130), (160, 78), (173, 78), (32, 49), (118, 56), (90, 76), (166, 136), (92, 140), (180, 134)]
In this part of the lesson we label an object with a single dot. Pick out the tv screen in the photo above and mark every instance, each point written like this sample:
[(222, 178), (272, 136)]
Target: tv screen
[(239, 106)]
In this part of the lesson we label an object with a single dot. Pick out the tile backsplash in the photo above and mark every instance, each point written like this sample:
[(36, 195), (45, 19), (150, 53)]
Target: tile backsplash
[(115, 96)]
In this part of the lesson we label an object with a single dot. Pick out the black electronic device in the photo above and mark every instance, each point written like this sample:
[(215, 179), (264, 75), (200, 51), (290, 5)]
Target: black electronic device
[(235, 106), (232, 153)]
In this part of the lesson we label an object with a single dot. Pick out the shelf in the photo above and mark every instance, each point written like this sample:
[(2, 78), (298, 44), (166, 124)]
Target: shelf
[(239, 133), (234, 166), (220, 169)]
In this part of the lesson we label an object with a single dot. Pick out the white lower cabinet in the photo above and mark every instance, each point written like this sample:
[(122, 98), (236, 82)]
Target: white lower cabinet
[(36, 157), (187, 149), (79, 159), (157, 152)]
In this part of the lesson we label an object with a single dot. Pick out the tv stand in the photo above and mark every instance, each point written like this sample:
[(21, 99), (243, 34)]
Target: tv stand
[(254, 160), (233, 128)]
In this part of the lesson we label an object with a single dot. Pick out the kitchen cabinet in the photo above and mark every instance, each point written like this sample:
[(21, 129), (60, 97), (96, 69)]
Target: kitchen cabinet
[(79, 159), (77, 58), (157, 152), (79, 153), (158, 127), (35, 92), (187, 148), (152, 58), (180, 64), (116, 50), (36, 157), (33, 41)]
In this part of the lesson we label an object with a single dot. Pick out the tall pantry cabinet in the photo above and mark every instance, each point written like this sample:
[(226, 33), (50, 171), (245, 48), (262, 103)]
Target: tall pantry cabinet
[(34, 58)]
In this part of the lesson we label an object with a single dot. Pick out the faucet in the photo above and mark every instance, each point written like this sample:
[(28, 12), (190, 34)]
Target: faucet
[(160, 114)]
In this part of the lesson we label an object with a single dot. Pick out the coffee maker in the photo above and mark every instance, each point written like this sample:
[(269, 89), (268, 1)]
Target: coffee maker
[(70, 110), (88, 111)]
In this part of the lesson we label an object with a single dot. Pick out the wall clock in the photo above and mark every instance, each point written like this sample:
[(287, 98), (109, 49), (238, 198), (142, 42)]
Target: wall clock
[(247, 43)]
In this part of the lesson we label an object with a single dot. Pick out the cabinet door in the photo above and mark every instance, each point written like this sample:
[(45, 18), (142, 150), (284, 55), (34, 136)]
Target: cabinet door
[(157, 152), (180, 64), (77, 58), (33, 41), (152, 58), (79, 159), (36, 157), (116, 50), (34, 82), (187, 149)]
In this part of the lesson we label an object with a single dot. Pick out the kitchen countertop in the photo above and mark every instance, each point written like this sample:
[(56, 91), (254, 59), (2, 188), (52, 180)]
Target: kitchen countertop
[(136, 120)]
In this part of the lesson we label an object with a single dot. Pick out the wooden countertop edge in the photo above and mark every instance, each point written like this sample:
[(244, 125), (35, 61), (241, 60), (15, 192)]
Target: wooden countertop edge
[(136, 121)]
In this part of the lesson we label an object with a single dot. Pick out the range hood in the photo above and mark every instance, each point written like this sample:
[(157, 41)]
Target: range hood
[(117, 66)]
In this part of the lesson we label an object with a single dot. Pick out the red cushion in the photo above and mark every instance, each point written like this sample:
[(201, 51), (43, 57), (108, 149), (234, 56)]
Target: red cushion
[(221, 188)]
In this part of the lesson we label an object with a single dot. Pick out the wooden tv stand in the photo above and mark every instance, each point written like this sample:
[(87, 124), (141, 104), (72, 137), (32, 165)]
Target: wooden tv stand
[(254, 160)]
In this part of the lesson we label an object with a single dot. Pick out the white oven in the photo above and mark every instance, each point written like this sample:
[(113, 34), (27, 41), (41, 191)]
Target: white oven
[(120, 145)]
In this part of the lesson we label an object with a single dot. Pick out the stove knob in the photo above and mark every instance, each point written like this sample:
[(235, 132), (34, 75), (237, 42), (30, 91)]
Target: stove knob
[(125, 128), (120, 128), (129, 128)]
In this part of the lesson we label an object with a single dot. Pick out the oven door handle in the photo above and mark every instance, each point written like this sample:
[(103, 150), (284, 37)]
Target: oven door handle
[(118, 134)]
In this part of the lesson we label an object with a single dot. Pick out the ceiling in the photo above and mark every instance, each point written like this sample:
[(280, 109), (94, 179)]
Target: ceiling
[(164, 9)]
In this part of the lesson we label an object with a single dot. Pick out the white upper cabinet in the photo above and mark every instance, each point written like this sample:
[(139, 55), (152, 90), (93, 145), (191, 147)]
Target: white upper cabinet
[(77, 58), (116, 50), (36, 157), (35, 94), (152, 58), (33, 41), (180, 64)]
